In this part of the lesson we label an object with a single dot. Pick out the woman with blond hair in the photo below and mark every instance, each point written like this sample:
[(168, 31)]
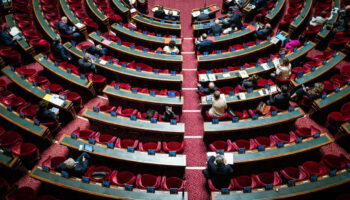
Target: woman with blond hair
[(284, 70), (312, 93)]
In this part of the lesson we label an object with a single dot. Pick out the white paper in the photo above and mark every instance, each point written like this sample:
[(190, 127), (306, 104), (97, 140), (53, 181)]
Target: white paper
[(175, 13), (79, 25), (227, 156), (274, 40), (133, 10), (203, 77), (241, 95), (225, 75), (14, 31), (212, 77), (261, 92), (56, 100), (243, 74), (276, 62), (154, 9), (273, 88), (196, 13), (265, 66), (209, 98), (103, 62)]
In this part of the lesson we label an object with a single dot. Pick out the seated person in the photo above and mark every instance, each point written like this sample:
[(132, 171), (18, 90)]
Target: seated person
[(45, 115), (280, 101), (168, 114), (170, 16), (262, 33), (98, 49), (234, 20), (236, 5), (171, 48), (204, 15), (259, 4), (284, 70), (58, 51), (204, 45), (321, 20), (341, 25), (160, 13), (312, 93), (6, 39), (218, 171), (65, 29), (215, 28), (85, 66), (219, 105), (76, 167), (291, 44), (209, 90), (250, 82)]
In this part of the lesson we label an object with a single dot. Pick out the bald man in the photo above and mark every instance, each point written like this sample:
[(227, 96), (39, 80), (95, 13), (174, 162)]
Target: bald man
[(264, 32), (65, 29), (209, 90)]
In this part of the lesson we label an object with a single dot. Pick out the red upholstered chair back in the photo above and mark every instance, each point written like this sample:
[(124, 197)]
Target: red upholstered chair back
[(291, 173), (125, 177), (149, 180), (220, 145), (10, 138), (26, 193), (262, 140)]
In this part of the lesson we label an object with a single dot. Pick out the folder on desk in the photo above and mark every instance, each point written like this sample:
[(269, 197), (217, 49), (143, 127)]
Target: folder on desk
[(203, 77), (106, 42), (212, 38), (196, 13), (251, 27), (211, 77), (243, 74)]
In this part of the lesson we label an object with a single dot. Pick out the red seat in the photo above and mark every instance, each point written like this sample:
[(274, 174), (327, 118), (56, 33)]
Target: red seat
[(126, 112), (338, 78), (39, 79), (147, 180), (293, 173), (314, 168), (106, 108), (84, 45), (221, 145), (264, 179), (150, 146), (263, 141), (263, 82), (284, 137), (26, 151), (307, 132), (213, 188), (76, 99), (4, 186), (345, 71), (52, 162), (10, 138), (93, 169), (125, 143), (122, 178), (85, 133), (226, 90), (43, 44), (105, 138), (209, 117), (241, 182), (26, 193), (335, 162), (172, 182), (13, 102), (174, 146), (53, 126), (26, 71), (143, 115), (345, 110), (28, 110), (335, 118), (243, 144), (47, 197), (125, 86)]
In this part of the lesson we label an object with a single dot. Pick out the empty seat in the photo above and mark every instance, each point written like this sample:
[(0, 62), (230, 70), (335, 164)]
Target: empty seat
[(122, 178), (174, 146), (156, 146), (147, 180), (264, 179), (10, 138), (52, 162), (125, 143), (293, 173), (313, 168), (26, 151), (263, 141), (307, 132), (98, 174), (85, 133), (335, 162), (221, 145), (241, 182), (105, 138), (16, 193), (126, 112), (244, 144), (172, 182)]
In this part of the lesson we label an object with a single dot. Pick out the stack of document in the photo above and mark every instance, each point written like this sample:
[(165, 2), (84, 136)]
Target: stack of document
[(203, 77), (265, 66), (14, 31), (79, 25), (54, 98), (196, 13), (243, 74), (211, 77)]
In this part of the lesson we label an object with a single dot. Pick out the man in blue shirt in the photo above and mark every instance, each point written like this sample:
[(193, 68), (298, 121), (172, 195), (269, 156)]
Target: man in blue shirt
[(65, 29), (5, 37), (59, 51)]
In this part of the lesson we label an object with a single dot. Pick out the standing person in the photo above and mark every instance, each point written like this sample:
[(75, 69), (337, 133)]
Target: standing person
[(204, 45), (218, 171), (209, 90), (160, 13), (171, 48), (5, 38), (284, 70), (45, 115), (219, 105), (76, 167), (65, 29), (85, 66), (312, 93), (58, 51)]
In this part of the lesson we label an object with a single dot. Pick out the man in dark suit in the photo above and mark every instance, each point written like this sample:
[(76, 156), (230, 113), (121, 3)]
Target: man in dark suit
[(204, 15), (280, 101), (205, 45), (234, 20), (259, 4), (170, 16), (59, 51), (264, 32), (207, 90), (98, 49), (219, 173), (6, 39), (45, 115), (168, 114), (159, 13), (215, 29), (65, 29), (85, 66), (75, 168)]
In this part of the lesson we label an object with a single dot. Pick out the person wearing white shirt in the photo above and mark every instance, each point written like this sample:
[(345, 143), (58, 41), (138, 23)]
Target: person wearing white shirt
[(171, 48), (284, 70), (321, 20), (219, 105)]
